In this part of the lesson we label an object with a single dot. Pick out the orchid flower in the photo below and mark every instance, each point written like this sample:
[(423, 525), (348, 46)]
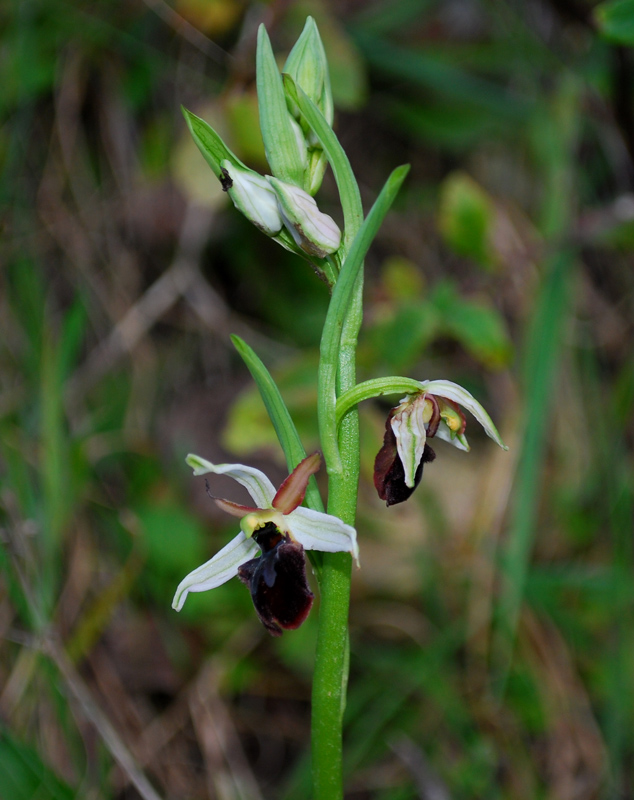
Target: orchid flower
[(268, 553), (434, 411)]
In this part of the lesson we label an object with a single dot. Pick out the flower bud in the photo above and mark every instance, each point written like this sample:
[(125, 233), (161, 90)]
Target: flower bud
[(317, 163), (308, 66), (253, 196), (316, 233)]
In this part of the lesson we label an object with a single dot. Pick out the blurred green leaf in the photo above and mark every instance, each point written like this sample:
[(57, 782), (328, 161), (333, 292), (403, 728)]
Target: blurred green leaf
[(453, 127), (391, 15), (401, 278), (174, 542), (399, 340), (476, 325), (24, 776), (242, 118), (249, 428), (466, 218), (436, 71), (616, 21)]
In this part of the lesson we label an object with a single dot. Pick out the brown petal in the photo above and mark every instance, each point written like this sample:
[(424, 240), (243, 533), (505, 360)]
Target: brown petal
[(235, 509), (291, 492)]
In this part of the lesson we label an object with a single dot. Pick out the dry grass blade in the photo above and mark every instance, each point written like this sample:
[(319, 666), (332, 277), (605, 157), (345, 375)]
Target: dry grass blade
[(108, 734), (228, 772)]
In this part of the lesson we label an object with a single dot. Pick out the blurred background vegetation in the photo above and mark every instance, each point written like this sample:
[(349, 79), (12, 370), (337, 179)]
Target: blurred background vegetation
[(492, 619)]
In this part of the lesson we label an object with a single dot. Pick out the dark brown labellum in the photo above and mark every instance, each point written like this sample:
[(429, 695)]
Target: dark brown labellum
[(277, 581), (389, 475)]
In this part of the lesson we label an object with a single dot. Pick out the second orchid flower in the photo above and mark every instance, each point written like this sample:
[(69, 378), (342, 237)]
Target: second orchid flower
[(433, 411)]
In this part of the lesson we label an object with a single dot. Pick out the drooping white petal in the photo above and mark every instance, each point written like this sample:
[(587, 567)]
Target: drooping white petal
[(457, 440), (316, 530), (452, 391), (218, 570), (254, 481), (409, 429)]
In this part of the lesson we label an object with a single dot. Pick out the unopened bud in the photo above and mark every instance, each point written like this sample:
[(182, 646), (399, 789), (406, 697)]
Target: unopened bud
[(308, 67), (253, 196), (316, 233)]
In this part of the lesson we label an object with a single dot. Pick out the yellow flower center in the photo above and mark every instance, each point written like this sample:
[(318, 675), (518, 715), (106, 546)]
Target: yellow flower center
[(451, 417), (258, 519)]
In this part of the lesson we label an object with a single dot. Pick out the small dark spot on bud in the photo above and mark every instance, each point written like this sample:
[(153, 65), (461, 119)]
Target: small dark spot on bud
[(225, 180)]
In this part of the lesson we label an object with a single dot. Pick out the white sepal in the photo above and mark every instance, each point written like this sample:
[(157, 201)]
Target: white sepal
[(452, 391), (254, 481), (218, 570), (315, 530)]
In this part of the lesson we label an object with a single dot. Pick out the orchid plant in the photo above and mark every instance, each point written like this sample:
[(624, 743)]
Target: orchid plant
[(296, 115)]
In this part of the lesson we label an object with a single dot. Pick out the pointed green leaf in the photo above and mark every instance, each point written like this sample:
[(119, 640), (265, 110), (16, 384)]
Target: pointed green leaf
[(341, 298), (280, 417), (213, 149), (283, 140)]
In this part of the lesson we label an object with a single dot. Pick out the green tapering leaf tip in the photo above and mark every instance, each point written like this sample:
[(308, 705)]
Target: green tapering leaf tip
[(284, 142), (308, 66)]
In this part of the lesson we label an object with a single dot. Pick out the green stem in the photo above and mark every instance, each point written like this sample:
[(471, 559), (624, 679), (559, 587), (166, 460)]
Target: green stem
[(337, 375), (331, 659), (375, 388)]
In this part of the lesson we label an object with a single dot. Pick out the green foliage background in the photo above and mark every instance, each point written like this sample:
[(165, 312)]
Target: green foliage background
[(492, 622)]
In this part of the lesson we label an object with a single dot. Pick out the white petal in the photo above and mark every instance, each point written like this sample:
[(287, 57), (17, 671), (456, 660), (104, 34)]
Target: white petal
[(218, 570), (459, 441), (453, 391), (318, 531), (255, 482), (409, 429)]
